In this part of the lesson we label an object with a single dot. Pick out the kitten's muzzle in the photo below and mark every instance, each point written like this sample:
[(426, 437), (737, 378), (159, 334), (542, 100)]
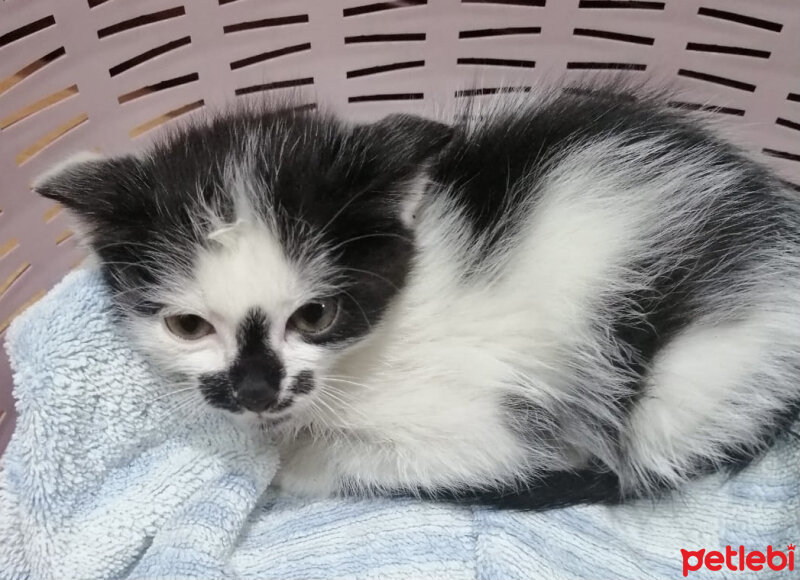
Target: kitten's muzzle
[(256, 385)]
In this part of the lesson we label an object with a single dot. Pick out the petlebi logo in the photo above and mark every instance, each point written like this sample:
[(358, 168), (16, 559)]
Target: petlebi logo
[(738, 559)]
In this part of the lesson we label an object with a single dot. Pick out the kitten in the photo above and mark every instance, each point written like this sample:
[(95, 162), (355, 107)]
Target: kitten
[(564, 298)]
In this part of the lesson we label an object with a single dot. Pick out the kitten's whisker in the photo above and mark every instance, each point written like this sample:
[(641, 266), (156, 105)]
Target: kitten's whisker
[(375, 274), (125, 243), (342, 209), (173, 414), (344, 404), (366, 237), (173, 393), (336, 395), (194, 406), (363, 312), (344, 409), (348, 381)]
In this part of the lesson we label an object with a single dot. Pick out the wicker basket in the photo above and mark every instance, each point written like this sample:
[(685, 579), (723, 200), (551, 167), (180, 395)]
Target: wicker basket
[(104, 74)]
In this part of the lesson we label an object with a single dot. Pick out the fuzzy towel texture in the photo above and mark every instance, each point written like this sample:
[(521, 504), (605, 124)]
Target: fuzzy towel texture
[(103, 480)]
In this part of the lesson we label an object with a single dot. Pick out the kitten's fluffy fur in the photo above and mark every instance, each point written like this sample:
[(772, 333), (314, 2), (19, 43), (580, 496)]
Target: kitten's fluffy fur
[(569, 297)]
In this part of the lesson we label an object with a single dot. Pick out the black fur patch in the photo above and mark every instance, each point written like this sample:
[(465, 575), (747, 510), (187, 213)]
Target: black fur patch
[(557, 489), (350, 196), (252, 339), (253, 380), (217, 390), (257, 372), (283, 405), (303, 383), (552, 490)]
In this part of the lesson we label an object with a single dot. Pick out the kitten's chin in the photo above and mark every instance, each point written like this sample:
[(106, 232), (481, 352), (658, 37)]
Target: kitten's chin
[(248, 420)]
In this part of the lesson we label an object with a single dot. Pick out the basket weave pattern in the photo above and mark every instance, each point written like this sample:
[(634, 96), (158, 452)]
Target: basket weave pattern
[(104, 74)]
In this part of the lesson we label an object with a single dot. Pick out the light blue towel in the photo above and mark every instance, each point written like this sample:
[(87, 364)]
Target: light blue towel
[(102, 479)]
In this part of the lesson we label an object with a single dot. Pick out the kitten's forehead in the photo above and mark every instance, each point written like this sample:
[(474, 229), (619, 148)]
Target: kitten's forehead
[(245, 267)]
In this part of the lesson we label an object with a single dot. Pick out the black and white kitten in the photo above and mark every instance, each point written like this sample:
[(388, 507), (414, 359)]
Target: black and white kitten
[(571, 297)]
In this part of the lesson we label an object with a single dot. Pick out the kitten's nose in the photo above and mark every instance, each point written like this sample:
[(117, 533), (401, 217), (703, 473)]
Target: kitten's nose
[(256, 393), (256, 375)]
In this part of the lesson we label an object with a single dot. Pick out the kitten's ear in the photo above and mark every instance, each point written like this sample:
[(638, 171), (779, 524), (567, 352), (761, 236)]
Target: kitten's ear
[(398, 148), (92, 187), (410, 140)]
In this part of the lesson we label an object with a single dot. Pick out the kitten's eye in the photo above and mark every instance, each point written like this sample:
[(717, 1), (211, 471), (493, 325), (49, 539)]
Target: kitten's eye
[(188, 326), (315, 317)]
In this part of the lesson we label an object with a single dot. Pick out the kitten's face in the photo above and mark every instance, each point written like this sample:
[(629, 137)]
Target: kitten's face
[(247, 254)]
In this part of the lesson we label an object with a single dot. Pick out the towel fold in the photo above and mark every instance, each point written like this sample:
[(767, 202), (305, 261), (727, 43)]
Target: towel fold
[(113, 474)]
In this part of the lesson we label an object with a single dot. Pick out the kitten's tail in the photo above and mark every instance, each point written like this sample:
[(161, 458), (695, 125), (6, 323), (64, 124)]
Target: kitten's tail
[(553, 490)]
